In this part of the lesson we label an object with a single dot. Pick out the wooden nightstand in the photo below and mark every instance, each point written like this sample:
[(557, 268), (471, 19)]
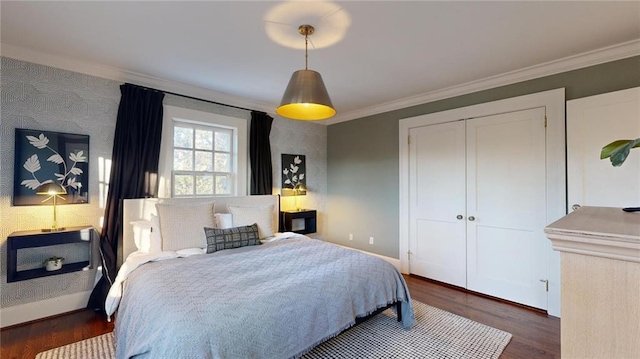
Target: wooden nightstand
[(287, 217), (24, 240)]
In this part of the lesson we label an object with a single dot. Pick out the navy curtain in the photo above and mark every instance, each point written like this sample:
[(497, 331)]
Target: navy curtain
[(260, 153), (134, 173)]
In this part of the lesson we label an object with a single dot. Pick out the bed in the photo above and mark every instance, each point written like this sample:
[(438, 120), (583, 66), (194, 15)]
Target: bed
[(277, 299)]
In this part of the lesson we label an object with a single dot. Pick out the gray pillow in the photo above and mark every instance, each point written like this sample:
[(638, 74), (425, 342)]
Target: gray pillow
[(227, 238)]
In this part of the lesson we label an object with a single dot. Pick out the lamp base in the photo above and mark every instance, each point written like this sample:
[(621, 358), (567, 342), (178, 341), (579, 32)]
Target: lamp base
[(53, 229)]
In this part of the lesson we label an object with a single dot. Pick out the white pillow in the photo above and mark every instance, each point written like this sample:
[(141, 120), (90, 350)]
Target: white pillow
[(224, 220), (142, 235), (155, 245), (246, 216), (182, 225)]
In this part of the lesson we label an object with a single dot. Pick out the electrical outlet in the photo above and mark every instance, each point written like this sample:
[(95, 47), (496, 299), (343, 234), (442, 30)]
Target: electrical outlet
[(350, 236), (370, 240)]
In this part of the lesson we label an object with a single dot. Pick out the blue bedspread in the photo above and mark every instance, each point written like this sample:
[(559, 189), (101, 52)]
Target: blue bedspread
[(276, 300)]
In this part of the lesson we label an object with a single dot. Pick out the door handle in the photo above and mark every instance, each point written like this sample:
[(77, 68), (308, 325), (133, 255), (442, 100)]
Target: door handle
[(472, 218), (459, 216)]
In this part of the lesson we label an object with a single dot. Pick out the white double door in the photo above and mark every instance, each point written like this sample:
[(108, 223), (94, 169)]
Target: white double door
[(477, 205)]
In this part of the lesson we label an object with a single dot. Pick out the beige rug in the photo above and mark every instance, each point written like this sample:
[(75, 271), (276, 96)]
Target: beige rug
[(438, 334)]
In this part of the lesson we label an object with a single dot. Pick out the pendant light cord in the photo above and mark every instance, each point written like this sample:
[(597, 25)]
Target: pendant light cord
[(306, 54)]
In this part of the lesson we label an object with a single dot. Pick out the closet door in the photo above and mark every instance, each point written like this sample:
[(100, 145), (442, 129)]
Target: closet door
[(437, 202), (506, 208), (592, 123)]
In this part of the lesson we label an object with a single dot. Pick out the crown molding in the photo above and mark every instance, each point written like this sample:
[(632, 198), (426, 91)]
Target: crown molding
[(586, 59), (591, 58), (113, 73)]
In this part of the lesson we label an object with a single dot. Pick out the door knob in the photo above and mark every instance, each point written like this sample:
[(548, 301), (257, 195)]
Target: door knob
[(459, 216), (575, 206), (472, 218)]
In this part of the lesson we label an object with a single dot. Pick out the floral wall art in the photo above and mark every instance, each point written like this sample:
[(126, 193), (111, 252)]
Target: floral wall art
[(294, 180), (43, 157)]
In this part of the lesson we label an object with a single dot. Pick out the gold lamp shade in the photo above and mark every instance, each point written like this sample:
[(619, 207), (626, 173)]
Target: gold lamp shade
[(51, 188), (306, 97)]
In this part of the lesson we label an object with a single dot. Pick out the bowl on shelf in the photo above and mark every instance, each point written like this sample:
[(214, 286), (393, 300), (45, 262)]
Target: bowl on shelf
[(53, 263)]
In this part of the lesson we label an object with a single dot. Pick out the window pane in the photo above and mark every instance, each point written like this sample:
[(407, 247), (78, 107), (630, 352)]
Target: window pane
[(204, 161), (222, 162), (204, 140), (223, 141), (182, 137), (183, 185), (204, 184), (223, 185), (182, 160)]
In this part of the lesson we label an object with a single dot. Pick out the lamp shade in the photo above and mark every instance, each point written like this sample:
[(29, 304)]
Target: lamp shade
[(51, 189), (306, 98)]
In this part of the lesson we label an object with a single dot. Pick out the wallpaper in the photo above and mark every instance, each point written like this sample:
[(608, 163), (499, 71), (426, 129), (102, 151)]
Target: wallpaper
[(309, 139), (45, 98)]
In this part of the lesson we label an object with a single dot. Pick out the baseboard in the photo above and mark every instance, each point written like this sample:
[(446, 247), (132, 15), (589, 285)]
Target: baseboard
[(42, 309), (394, 261)]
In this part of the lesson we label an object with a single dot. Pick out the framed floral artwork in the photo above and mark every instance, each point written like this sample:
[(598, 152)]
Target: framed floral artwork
[(294, 180), (43, 157)]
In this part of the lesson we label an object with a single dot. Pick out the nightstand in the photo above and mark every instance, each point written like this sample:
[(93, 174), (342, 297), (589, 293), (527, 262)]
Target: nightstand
[(24, 240), (287, 217)]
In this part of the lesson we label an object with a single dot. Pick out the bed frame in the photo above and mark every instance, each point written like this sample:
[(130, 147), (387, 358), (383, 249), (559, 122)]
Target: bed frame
[(141, 209)]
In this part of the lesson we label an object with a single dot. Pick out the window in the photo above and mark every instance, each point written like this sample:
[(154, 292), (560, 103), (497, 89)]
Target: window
[(203, 154), (201, 160)]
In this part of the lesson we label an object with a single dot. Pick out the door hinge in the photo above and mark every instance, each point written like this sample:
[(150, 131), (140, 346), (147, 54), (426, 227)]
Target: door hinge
[(545, 121), (409, 255), (408, 140), (546, 284)]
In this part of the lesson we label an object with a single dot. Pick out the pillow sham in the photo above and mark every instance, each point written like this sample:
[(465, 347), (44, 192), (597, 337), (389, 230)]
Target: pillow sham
[(224, 220), (142, 235), (219, 239), (260, 215), (181, 224)]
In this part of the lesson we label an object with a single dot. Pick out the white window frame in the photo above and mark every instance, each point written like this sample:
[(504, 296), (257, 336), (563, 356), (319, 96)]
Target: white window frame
[(239, 165)]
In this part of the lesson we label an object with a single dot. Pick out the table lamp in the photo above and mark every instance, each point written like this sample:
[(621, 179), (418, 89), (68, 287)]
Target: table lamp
[(54, 190), (299, 190)]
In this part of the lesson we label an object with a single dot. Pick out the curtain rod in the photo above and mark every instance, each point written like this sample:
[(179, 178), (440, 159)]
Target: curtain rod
[(201, 99), (213, 102)]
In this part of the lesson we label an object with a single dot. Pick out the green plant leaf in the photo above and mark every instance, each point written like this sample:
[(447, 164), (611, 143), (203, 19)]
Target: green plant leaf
[(618, 151)]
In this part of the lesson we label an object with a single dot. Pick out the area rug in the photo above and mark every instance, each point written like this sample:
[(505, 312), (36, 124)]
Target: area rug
[(437, 334)]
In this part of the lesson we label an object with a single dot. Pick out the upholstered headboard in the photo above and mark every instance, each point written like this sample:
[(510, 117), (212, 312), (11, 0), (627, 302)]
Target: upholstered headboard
[(141, 209)]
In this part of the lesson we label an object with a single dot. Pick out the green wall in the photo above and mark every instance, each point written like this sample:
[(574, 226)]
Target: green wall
[(363, 163)]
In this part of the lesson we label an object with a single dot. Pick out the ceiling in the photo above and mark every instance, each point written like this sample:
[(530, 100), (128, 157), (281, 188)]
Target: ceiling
[(373, 55)]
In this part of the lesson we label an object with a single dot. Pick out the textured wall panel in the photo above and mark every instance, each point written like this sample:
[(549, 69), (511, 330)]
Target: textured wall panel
[(45, 98), (309, 139)]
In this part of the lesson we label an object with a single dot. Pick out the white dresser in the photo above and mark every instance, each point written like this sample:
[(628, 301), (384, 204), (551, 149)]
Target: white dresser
[(600, 285)]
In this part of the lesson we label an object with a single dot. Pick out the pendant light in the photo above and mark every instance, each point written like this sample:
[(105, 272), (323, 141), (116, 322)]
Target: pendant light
[(306, 97)]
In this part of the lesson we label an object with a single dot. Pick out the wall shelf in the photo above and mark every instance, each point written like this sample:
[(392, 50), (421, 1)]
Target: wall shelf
[(24, 240), (309, 216)]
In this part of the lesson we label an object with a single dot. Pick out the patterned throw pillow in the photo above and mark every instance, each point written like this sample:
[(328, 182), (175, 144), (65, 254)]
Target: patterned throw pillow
[(219, 239)]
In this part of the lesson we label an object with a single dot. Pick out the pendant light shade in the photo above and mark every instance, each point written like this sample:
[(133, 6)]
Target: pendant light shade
[(306, 97)]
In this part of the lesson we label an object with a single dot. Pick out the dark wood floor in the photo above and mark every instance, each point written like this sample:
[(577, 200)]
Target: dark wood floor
[(535, 335)]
